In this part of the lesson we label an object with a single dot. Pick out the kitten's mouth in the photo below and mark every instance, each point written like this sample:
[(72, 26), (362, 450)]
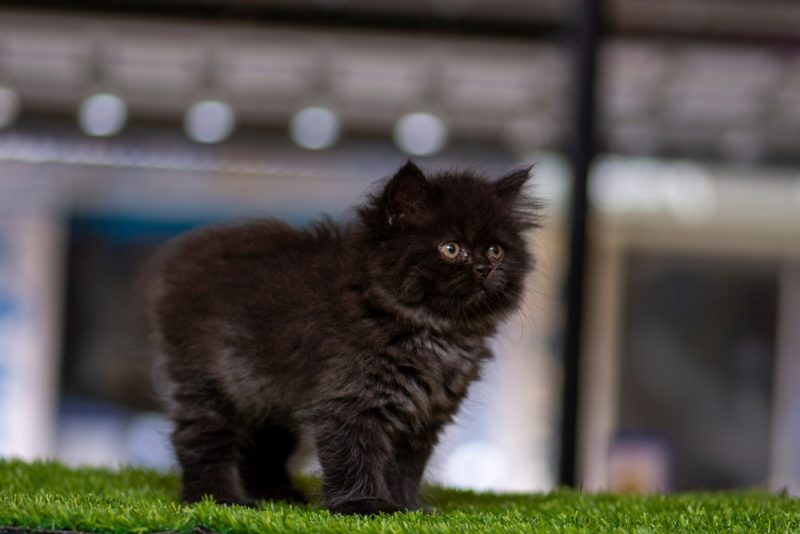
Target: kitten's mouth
[(465, 299), (464, 293)]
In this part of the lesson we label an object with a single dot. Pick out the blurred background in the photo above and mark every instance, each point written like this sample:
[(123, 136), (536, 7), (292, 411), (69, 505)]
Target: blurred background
[(123, 123)]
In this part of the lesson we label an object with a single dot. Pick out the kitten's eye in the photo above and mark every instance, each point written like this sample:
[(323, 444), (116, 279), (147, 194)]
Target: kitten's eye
[(449, 250), (495, 252)]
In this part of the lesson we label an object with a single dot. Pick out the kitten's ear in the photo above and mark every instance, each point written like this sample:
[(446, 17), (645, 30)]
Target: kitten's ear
[(509, 186), (407, 197)]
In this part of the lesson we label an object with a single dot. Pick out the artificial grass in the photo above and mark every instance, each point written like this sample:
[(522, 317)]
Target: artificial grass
[(47, 495)]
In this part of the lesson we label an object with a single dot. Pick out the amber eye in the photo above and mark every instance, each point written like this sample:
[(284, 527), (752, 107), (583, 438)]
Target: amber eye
[(449, 250), (495, 252)]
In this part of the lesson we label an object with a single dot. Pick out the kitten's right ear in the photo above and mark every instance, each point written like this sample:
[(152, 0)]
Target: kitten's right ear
[(511, 185), (407, 197)]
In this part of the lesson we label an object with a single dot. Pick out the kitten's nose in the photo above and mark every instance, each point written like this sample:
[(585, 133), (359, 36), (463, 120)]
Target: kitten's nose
[(483, 270)]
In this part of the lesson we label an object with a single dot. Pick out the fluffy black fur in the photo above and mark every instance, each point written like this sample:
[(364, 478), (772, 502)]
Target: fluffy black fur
[(362, 337)]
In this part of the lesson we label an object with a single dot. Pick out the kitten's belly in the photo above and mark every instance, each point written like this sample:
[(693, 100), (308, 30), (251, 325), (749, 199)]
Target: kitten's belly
[(304, 459), (256, 391)]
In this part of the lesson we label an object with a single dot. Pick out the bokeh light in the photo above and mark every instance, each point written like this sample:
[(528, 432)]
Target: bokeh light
[(420, 134), (209, 121), (315, 128), (102, 115)]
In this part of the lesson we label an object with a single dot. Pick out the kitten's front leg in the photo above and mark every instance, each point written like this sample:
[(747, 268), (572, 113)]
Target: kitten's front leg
[(407, 467), (354, 452)]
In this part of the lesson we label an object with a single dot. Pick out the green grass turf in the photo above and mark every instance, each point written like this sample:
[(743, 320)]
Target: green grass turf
[(48, 495)]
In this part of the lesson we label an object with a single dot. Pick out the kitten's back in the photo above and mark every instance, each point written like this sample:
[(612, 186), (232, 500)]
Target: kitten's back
[(255, 284), (243, 259)]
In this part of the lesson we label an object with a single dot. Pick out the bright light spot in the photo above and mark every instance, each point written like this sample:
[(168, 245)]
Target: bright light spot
[(689, 192), (102, 115), (420, 134), (9, 107), (625, 185), (643, 185), (209, 121), (478, 465), (314, 128)]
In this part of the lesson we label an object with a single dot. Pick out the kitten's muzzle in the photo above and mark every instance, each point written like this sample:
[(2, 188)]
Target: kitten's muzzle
[(483, 271)]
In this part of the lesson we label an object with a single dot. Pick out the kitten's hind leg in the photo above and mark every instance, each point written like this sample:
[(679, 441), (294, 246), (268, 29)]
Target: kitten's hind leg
[(263, 463), (206, 445)]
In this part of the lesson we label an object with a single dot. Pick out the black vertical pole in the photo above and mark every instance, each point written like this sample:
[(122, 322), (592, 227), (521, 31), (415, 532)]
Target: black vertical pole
[(586, 36)]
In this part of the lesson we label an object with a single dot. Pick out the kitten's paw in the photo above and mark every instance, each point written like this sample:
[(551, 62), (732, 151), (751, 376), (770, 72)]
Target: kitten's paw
[(366, 506)]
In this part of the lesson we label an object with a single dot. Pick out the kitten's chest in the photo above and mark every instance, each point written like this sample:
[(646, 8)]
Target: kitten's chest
[(450, 365), (457, 356)]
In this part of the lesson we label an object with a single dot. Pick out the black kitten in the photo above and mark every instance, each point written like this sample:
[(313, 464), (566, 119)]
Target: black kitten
[(363, 337)]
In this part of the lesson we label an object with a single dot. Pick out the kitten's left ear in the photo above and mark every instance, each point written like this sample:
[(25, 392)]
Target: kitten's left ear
[(407, 197), (509, 186)]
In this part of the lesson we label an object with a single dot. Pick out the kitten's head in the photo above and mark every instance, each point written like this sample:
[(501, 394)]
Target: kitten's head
[(450, 244)]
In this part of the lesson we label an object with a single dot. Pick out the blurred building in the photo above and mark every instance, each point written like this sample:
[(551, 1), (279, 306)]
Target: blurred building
[(125, 123)]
